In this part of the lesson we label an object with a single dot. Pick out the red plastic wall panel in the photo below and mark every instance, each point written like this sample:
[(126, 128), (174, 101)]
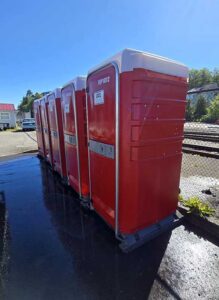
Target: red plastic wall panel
[(152, 109), (46, 130), (76, 154), (57, 136), (39, 129)]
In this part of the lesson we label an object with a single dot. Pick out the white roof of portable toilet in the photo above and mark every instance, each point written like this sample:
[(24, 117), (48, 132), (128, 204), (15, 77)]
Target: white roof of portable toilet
[(42, 98), (129, 59), (56, 92), (79, 83)]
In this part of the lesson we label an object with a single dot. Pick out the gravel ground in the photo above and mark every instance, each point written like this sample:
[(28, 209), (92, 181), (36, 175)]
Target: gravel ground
[(200, 143), (17, 142), (201, 174), (201, 127)]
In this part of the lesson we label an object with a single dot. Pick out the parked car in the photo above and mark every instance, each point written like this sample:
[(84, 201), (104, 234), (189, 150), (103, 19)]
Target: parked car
[(28, 124)]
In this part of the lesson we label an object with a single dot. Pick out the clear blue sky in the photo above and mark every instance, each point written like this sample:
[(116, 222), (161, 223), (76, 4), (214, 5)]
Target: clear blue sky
[(44, 44)]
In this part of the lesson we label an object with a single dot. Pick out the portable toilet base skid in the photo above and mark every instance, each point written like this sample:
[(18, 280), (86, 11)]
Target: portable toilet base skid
[(130, 242), (136, 107)]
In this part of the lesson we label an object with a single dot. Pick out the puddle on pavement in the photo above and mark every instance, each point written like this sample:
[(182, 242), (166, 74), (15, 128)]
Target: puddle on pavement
[(57, 249)]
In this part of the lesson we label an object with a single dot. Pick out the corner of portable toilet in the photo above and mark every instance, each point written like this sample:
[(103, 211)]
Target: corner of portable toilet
[(78, 82), (56, 92)]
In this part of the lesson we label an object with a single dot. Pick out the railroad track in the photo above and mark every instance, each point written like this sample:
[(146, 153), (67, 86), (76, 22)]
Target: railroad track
[(211, 133), (202, 137), (206, 151)]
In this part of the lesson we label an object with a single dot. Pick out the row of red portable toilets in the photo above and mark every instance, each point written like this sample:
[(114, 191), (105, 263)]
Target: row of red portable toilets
[(116, 136)]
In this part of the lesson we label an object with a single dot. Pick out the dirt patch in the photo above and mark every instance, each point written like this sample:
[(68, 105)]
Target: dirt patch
[(17, 142)]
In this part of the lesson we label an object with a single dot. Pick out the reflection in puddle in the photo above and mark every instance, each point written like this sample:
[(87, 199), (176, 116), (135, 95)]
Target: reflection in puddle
[(99, 268)]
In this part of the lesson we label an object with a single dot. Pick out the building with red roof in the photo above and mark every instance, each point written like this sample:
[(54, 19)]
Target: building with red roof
[(7, 116)]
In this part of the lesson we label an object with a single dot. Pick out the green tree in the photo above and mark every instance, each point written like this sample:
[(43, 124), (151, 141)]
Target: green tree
[(34, 97), (189, 111), (212, 111), (29, 93), (216, 75), (26, 104), (198, 78), (200, 108)]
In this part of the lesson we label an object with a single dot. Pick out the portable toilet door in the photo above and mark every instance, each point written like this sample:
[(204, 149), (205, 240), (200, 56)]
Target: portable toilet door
[(46, 130), (39, 128), (56, 131), (136, 106), (73, 97)]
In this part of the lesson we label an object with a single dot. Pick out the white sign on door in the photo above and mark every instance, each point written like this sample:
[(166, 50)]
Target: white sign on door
[(99, 97)]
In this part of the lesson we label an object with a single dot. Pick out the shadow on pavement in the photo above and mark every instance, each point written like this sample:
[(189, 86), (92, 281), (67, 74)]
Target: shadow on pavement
[(21, 130), (200, 233)]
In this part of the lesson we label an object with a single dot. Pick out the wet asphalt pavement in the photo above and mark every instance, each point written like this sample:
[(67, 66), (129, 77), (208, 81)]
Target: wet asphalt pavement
[(50, 248)]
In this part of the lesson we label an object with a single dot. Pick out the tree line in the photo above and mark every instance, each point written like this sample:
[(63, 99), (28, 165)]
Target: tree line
[(198, 78), (203, 110), (26, 104)]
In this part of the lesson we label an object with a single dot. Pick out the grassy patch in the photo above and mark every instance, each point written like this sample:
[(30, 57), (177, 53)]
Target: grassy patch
[(14, 129), (196, 206)]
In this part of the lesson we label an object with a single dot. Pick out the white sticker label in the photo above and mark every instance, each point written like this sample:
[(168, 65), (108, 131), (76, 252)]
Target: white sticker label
[(99, 97), (67, 108)]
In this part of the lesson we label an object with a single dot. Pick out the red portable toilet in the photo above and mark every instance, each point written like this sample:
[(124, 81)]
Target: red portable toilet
[(56, 130), (73, 97), (46, 129), (136, 107), (39, 128)]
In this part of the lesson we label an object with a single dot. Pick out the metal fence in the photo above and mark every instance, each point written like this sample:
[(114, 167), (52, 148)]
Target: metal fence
[(200, 165)]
